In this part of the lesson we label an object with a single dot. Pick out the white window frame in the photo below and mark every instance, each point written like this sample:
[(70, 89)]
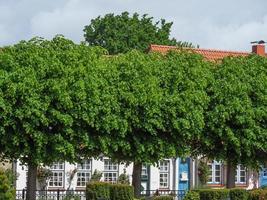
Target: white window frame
[(144, 172), (238, 176), (110, 171), (164, 174), (213, 170), (84, 172), (58, 175)]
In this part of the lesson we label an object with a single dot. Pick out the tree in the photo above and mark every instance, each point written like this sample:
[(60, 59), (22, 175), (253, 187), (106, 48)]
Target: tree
[(96, 176), (42, 103), (121, 33), (236, 119), (161, 106), (7, 192)]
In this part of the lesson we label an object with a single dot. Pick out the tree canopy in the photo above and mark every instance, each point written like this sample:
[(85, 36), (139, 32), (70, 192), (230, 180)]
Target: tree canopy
[(64, 101), (236, 118), (42, 98), (121, 33), (161, 99), (43, 102), (161, 102)]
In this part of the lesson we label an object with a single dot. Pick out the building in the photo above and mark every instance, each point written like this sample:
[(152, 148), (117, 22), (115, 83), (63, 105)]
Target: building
[(171, 174), (245, 178), (163, 177)]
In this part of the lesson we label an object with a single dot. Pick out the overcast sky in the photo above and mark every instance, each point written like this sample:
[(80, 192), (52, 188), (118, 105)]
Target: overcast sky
[(216, 24)]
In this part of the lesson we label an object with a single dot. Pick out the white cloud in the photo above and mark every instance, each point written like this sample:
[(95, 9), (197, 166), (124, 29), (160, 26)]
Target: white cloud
[(210, 23)]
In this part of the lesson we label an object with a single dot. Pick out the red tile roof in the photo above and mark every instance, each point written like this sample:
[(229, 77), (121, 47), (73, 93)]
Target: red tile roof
[(209, 54)]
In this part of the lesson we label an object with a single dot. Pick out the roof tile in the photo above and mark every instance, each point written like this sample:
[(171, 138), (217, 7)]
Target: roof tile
[(209, 54)]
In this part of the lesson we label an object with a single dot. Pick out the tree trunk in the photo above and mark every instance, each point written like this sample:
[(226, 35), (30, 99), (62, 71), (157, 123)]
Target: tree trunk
[(231, 171), (31, 182), (136, 182)]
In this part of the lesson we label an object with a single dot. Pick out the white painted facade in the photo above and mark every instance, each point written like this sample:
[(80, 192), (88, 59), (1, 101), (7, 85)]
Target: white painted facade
[(165, 176), (169, 176)]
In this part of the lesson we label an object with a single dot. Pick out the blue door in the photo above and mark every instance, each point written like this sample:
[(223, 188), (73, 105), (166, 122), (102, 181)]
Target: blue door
[(184, 174), (263, 177)]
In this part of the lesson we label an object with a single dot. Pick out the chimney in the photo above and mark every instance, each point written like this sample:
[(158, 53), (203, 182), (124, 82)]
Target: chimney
[(258, 47)]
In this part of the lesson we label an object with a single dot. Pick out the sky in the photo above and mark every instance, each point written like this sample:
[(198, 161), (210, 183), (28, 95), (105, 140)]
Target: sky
[(214, 24)]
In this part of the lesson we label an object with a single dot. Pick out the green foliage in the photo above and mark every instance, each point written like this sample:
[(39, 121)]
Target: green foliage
[(163, 198), (63, 101), (43, 174), (203, 172), (95, 190), (121, 192), (42, 100), (258, 194), (192, 195), (238, 194), (124, 178), (6, 190), (161, 110), (121, 33), (213, 194), (72, 197), (142, 198), (236, 117), (96, 176), (11, 176)]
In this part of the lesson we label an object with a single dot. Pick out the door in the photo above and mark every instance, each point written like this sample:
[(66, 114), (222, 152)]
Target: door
[(263, 177), (184, 174)]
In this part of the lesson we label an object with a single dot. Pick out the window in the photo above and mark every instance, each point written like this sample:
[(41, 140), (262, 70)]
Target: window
[(164, 170), (110, 166), (56, 179), (214, 172), (57, 166), (240, 177), (264, 171), (84, 171), (110, 171), (144, 173)]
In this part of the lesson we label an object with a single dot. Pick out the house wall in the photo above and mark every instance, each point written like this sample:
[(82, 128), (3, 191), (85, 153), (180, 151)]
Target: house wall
[(21, 176), (252, 179), (175, 169), (154, 174)]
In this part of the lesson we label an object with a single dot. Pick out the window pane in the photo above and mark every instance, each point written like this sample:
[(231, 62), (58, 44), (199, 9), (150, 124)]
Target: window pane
[(164, 174), (110, 166), (214, 176)]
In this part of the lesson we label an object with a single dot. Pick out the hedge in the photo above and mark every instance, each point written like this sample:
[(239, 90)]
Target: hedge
[(223, 194), (213, 194), (192, 195), (108, 191), (121, 192), (258, 194), (6, 190), (238, 194), (163, 198), (96, 190)]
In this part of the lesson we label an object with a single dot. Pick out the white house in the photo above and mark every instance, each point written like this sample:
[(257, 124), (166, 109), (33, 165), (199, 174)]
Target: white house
[(170, 174), (163, 176)]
